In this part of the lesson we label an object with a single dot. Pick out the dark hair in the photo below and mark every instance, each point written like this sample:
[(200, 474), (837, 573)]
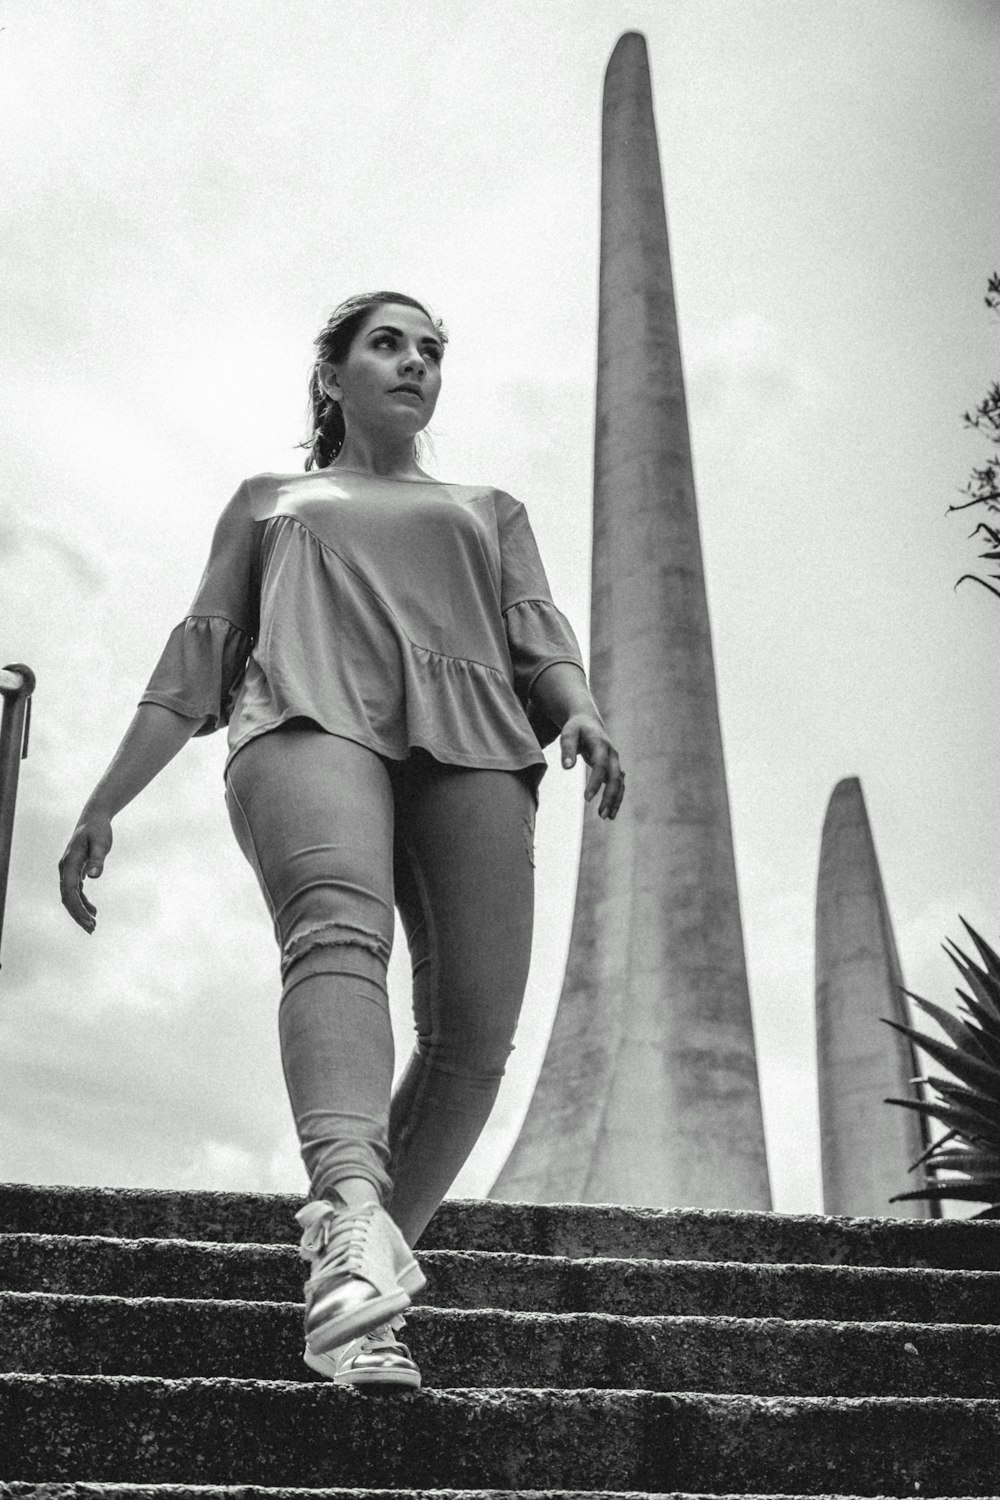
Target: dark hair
[(333, 343)]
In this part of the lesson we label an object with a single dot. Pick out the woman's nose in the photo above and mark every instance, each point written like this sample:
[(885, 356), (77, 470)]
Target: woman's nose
[(413, 361)]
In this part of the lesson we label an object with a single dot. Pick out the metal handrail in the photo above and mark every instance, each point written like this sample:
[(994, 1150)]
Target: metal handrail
[(17, 683)]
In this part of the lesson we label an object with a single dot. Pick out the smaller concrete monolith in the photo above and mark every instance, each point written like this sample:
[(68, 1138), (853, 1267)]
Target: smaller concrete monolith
[(867, 1145)]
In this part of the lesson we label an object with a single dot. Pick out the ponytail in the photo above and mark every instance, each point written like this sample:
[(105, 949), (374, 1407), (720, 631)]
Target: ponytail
[(329, 428)]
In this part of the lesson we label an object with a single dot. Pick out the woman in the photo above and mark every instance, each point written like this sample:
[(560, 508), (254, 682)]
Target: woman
[(385, 650)]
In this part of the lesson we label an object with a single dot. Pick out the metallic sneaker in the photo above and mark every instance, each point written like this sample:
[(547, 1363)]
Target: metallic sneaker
[(375, 1359), (363, 1273)]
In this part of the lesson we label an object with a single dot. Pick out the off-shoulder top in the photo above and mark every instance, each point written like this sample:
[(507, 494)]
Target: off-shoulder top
[(395, 612)]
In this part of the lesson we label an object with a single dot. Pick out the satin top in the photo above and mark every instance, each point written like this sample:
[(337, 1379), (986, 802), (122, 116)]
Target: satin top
[(393, 612)]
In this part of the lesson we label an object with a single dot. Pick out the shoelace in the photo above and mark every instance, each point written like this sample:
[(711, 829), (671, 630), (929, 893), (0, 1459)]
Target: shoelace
[(338, 1239), (384, 1336)]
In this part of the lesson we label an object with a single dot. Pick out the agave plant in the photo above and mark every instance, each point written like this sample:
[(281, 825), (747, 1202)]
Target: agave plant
[(968, 1103)]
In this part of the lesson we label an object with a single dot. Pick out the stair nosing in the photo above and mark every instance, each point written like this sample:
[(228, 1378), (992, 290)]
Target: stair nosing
[(490, 1394), (432, 1313), (289, 1250)]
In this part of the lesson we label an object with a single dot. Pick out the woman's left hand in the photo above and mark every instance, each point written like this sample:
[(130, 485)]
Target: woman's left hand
[(584, 734)]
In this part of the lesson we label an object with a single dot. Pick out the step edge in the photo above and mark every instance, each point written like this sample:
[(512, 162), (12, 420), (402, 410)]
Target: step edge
[(643, 1213), (247, 1249), (692, 1321), (488, 1395)]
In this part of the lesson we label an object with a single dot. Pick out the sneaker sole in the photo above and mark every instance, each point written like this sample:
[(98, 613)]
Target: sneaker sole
[(412, 1280), (385, 1380), (350, 1325)]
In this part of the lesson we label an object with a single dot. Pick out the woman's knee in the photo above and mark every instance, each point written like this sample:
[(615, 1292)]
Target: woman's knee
[(334, 944), (466, 1049), (333, 890)]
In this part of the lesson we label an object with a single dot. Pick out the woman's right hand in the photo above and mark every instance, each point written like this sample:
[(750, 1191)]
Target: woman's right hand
[(84, 856), (152, 739)]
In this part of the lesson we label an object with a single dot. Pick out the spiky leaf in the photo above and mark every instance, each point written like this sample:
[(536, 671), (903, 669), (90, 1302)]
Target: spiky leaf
[(962, 1159), (957, 1093), (959, 1120), (986, 982), (932, 1149), (984, 985), (977, 1012), (963, 1191), (971, 1070), (953, 1096), (960, 1032), (990, 958)]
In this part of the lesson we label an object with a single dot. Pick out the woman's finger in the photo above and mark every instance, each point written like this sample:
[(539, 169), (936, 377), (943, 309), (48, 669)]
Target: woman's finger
[(598, 761), (614, 787), (569, 746)]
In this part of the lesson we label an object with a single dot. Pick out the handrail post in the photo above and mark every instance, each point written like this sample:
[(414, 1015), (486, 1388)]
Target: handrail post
[(17, 683)]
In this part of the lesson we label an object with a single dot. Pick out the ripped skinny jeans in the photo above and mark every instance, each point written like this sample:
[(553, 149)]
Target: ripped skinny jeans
[(337, 835)]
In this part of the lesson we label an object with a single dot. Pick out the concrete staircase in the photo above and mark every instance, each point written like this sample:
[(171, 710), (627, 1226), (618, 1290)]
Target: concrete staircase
[(152, 1343)]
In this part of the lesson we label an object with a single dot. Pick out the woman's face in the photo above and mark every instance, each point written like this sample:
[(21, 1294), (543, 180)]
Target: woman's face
[(396, 346)]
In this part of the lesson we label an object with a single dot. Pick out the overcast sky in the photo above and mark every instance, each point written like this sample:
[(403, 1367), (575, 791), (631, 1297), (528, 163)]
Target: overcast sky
[(186, 191)]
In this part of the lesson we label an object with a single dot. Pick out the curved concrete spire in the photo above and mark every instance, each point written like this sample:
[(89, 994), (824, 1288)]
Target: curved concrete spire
[(867, 1145), (648, 1093)]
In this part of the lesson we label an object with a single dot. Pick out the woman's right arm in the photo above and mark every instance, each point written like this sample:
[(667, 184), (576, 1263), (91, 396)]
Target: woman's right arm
[(191, 692), (152, 740)]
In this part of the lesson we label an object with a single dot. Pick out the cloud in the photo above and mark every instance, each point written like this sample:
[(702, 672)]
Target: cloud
[(26, 546), (749, 369), (228, 1167)]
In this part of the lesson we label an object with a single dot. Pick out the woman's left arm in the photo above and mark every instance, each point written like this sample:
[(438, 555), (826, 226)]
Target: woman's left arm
[(562, 693)]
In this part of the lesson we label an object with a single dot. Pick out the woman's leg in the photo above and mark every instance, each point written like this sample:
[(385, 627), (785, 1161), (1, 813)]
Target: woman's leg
[(465, 892), (313, 813)]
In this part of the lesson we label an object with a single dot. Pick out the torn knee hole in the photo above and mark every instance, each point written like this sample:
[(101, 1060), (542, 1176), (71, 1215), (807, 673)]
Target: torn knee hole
[(334, 935)]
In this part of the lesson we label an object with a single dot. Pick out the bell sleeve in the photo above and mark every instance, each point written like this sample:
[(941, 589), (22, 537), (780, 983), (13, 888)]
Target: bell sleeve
[(538, 634), (202, 665)]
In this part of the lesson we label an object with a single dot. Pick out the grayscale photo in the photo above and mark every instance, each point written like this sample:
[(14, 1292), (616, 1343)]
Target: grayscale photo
[(499, 627)]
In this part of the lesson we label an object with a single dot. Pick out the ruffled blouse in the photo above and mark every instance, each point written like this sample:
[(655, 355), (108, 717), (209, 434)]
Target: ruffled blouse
[(393, 612)]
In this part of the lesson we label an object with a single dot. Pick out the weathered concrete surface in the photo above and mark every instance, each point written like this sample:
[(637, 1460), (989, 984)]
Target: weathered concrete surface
[(648, 1093), (571, 1229), (141, 1213), (232, 1432), (24, 1491), (867, 1145), (95, 1266), (646, 1288), (176, 1339), (513, 1402)]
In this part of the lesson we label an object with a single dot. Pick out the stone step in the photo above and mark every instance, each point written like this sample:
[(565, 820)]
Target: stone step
[(176, 1338), (97, 1266), (69, 1491), (282, 1433), (567, 1229)]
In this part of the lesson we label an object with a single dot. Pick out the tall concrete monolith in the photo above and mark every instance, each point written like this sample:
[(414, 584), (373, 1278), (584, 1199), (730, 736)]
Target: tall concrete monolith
[(867, 1145), (648, 1093)]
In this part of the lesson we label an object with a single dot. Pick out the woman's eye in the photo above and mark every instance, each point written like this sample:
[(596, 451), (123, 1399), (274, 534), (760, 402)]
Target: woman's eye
[(388, 340)]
